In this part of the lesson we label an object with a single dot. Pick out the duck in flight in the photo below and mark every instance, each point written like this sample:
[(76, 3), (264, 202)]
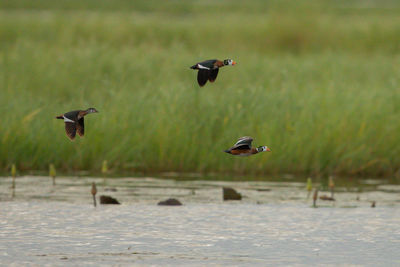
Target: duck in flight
[(208, 69), (243, 147), (74, 121)]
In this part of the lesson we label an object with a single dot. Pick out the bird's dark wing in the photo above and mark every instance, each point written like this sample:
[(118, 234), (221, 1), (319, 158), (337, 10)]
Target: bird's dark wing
[(241, 147), (70, 129), (213, 75), (202, 76), (80, 127), (72, 115), (243, 143)]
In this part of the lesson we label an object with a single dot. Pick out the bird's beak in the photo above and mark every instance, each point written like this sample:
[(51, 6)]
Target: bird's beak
[(233, 63), (268, 149)]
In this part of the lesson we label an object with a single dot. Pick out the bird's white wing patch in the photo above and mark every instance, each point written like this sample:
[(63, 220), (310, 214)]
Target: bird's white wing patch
[(244, 140), (67, 120), (202, 67)]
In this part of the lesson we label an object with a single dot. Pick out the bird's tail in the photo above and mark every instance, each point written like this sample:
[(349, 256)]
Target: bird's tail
[(194, 67), (61, 117), (227, 151)]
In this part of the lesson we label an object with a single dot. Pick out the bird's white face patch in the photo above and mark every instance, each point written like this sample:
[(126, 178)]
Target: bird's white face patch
[(202, 67), (228, 62), (67, 120)]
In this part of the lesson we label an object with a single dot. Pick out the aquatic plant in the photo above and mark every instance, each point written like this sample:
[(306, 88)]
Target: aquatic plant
[(93, 191), (52, 173), (309, 186), (14, 175), (315, 197), (104, 167)]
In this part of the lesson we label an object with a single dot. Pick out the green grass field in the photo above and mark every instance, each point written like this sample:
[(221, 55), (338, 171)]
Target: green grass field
[(318, 82)]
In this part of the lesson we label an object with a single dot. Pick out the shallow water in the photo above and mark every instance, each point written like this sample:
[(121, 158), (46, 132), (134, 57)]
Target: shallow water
[(274, 224)]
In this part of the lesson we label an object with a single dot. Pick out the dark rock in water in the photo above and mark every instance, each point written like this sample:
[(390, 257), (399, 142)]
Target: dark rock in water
[(324, 197), (170, 202), (373, 204), (263, 189), (108, 200), (231, 194)]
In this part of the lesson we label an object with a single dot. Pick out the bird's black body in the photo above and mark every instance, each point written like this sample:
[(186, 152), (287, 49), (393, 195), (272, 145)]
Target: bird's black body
[(210, 64), (208, 69), (72, 115), (243, 147), (74, 122)]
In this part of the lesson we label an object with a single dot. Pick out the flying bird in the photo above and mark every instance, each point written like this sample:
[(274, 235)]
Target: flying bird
[(74, 121), (243, 147), (208, 69)]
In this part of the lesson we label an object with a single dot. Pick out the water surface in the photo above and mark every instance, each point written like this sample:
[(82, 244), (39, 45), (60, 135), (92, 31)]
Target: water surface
[(274, 224)]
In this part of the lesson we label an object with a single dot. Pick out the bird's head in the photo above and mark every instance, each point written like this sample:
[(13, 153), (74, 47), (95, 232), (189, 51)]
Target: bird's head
[(229, 62), (91, 110), (263, 149)]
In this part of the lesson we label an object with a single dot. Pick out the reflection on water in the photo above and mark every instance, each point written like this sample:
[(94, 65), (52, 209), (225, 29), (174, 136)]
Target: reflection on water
[(274, 224)]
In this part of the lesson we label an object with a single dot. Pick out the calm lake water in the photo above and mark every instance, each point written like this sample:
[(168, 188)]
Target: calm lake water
[(275, 224)]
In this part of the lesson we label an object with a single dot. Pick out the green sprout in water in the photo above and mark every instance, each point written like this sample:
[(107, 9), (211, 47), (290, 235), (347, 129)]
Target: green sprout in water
[(309, 186), (93, 191), (104, 170), (52, 173), (13, 174), (104, 167), (13, 171)]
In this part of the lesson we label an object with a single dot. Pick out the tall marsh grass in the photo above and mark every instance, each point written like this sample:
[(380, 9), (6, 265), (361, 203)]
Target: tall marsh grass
[(318, 84)]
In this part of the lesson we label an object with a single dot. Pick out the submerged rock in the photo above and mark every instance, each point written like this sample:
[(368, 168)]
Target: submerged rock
[(324, 197), (263, 189), (110, 189), (231, 194), (108, 200), (170, 202)]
